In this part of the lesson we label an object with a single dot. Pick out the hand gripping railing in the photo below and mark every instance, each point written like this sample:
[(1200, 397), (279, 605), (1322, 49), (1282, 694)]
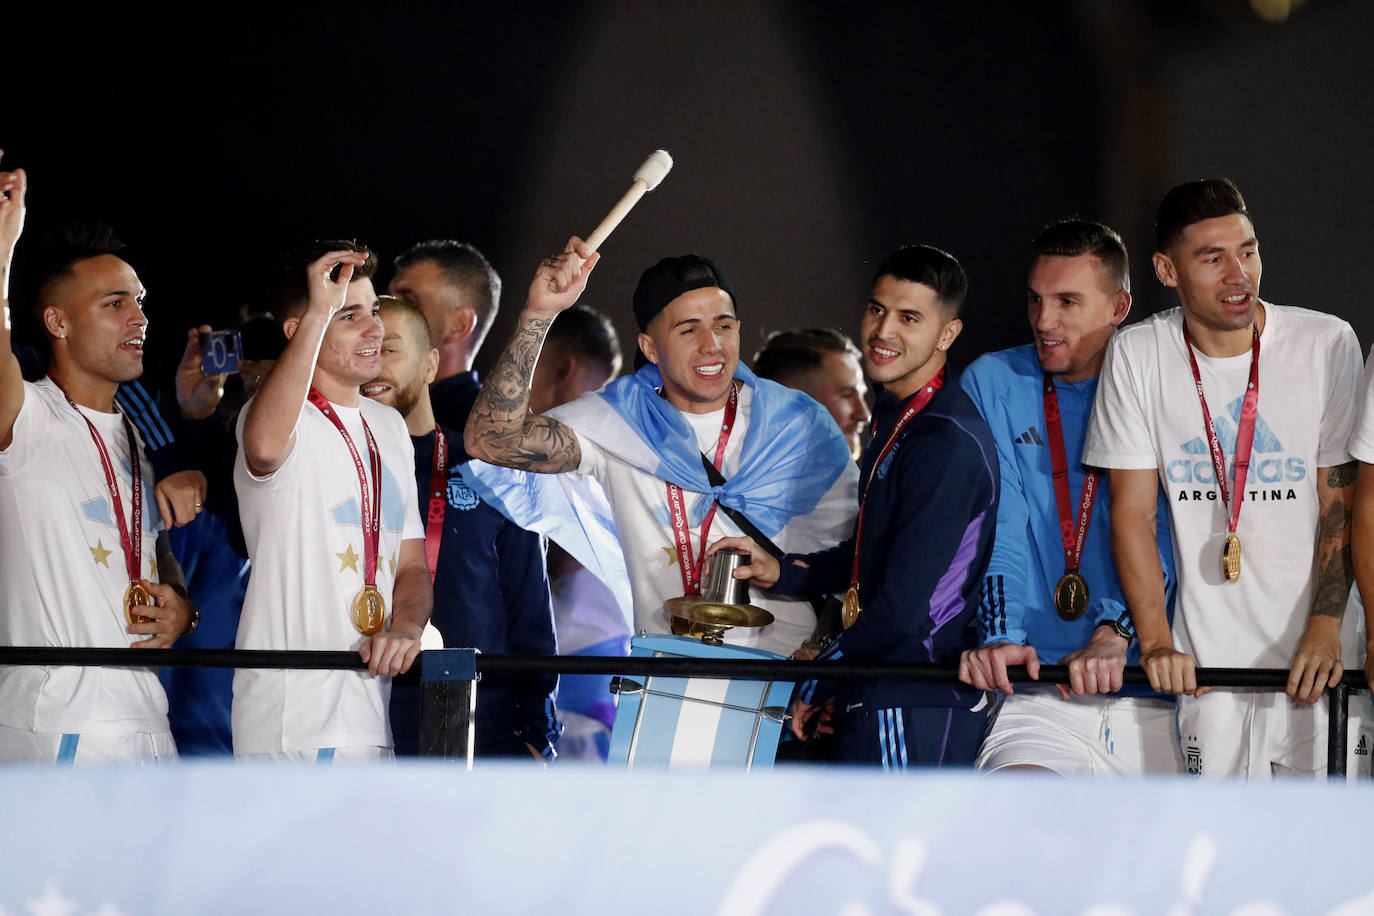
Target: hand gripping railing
[(448, 676)]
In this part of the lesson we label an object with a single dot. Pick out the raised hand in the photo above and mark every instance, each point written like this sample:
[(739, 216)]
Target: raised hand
[(560, 279), (327, 291), (13, 188)]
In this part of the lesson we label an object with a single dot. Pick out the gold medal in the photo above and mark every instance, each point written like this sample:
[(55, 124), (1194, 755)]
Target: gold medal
[(851, 607), (1230, 557), (369, 611), (1071, 595), (137, 595)]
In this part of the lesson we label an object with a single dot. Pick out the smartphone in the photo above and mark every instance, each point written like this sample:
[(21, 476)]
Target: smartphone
[(220, 352)]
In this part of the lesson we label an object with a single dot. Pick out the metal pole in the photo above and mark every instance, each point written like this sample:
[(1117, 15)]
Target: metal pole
[(1338, 719), (448, 703)]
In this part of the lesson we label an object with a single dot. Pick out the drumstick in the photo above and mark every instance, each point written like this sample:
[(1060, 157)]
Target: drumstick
[(647, 177)]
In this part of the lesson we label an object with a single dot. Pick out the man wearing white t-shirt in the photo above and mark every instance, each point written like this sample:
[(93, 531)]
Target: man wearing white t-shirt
[(330, 515), (1362, 527), (775, 457), (77, 543), (1263, 556)]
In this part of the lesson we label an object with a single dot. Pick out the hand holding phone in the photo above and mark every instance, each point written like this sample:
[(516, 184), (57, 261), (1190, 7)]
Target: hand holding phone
[(220, 352)]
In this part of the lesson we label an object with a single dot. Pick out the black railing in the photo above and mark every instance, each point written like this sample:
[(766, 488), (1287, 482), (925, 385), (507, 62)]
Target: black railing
[(447, 699)]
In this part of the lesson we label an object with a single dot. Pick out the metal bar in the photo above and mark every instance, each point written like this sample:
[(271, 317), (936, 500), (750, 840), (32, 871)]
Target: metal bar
[(181, 658), (1338, 719), (762, 670)]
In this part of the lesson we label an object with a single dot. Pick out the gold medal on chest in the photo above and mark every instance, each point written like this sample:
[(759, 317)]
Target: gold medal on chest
[(1230, 557), (369, 611), (1071, 595), (851, 609)]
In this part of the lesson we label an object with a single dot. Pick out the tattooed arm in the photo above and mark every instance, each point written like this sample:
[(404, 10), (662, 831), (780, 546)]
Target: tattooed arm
[(1317, 663), (501, 430)]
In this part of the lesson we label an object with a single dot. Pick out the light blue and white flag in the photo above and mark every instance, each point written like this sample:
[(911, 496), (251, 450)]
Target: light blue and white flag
[(795, 481)]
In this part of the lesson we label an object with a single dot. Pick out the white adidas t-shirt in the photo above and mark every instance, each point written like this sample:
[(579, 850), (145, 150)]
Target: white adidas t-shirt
[(303, 528), (1147, 415), (1362, 441), (62, 572), (639, 503)]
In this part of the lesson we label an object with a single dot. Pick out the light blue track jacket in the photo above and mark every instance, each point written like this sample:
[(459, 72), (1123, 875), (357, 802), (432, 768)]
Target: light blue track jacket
[(1028, 556)]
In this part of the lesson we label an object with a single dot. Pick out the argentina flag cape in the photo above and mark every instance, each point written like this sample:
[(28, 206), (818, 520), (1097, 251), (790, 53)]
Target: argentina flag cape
[(795, 480)]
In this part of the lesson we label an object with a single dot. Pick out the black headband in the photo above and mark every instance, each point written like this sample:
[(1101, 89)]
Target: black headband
[(670, 278)]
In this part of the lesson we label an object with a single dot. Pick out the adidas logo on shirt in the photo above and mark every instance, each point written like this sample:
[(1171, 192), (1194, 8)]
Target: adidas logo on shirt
[(1030, 437), (1362, 748), (1272, 470)]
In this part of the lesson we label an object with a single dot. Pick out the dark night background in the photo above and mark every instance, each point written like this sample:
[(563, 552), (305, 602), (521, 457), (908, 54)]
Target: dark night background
[(809, 139)]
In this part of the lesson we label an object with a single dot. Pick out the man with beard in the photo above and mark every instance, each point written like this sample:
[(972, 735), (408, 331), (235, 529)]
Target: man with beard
[(490, 588), (74, 475), (459, 292)]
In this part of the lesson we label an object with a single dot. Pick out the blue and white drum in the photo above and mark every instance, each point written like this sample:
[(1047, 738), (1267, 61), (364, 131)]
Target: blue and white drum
[(697, 722)]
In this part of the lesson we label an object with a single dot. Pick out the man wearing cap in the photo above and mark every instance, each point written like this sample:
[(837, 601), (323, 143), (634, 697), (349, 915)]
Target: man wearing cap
[(631, 461)]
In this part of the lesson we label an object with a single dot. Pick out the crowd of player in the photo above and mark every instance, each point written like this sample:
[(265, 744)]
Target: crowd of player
[(1101, 497)]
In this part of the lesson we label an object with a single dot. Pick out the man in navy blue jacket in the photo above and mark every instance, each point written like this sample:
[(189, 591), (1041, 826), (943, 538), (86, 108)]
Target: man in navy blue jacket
[(458, 291), (490, 587), (912, 570)]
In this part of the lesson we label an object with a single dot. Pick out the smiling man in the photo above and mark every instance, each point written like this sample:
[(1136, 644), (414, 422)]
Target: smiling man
[(491, 591), (646, 440), (328, 503), (1051, 594), (1242, 410), (77, 543), (913, 563)]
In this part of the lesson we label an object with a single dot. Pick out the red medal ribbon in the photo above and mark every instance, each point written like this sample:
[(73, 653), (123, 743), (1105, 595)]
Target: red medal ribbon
[(371, 508), (434, 521), (914, 405), (1072, 534), (689, 567), (130, 540), (1245, 433)]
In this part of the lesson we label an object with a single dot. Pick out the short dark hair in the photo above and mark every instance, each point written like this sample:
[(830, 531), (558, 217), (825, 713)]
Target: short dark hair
[(790, 353), (466, 268), (54, 256), (930, 266), (1071, 238), (290, 291), (1194, 202), (586, 334)]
